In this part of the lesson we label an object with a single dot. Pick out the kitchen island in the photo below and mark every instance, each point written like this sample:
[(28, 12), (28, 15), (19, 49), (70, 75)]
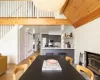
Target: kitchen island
[(57, 50)]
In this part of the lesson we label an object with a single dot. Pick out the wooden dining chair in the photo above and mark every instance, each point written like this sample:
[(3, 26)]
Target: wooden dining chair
[(85, 70), (69, 59), (31, 59), (18, 69)]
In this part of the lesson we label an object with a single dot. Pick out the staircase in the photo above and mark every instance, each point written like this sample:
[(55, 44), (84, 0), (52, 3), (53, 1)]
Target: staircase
[(9, 43), (4, 30)]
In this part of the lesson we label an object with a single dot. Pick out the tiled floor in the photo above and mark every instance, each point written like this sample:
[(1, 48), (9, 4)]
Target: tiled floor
[(8, 74)]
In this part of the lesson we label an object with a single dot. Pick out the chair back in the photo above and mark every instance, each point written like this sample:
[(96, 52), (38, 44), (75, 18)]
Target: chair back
[(69, 59), (86, 70), (19, 68), (0, 54), (31, 59), (49, 54), (62, 54)]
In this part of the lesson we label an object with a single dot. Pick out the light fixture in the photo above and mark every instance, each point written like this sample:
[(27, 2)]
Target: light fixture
[(49, 5)]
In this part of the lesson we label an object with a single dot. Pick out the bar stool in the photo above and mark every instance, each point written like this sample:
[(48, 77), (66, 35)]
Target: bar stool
[(62, 54), (49, 54)]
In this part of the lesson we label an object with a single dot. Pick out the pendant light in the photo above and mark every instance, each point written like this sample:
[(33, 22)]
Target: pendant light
[(49, 5)]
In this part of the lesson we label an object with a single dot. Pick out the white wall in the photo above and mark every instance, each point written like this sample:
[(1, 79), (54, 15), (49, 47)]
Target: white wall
[(16, 44), (25, 43), (21, 44), (67, 30), (87, 38), (30, 42), (9, 45)]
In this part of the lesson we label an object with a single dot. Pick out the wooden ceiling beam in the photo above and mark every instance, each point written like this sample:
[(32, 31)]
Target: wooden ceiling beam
[(93, 15), (33, 21)]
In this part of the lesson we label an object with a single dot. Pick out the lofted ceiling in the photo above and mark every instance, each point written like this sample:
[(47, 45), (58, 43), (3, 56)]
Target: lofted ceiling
[(81, 10), (78, 12)]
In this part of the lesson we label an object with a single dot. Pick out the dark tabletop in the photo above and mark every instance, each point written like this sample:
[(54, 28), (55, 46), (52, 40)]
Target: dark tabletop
[(34, 72)]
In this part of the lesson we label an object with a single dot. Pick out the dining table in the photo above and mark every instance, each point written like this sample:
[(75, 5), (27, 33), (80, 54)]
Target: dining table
[(35, 72)]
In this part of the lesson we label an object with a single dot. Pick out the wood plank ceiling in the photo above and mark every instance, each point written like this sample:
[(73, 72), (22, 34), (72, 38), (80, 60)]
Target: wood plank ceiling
[(78, 10)]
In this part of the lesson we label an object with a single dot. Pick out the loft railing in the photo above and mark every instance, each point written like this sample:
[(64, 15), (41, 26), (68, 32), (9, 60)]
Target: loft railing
[(21, 9)]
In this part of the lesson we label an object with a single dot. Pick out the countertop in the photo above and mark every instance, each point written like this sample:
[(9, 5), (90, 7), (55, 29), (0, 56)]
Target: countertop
[(55, 48)]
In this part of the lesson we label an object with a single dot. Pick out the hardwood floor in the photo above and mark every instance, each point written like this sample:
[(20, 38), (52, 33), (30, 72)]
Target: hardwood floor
[(8, 74)]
